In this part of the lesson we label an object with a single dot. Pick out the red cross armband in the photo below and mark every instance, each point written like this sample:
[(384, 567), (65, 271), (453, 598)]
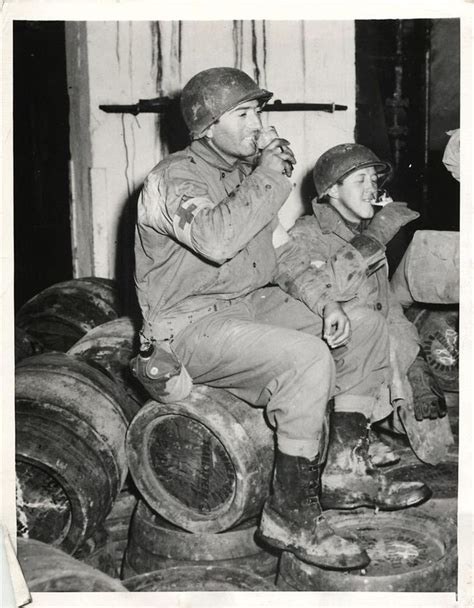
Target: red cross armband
[(161, 373), (185, 215)]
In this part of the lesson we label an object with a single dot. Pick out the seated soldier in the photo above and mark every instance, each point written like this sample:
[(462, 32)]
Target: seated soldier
[(347, 178)]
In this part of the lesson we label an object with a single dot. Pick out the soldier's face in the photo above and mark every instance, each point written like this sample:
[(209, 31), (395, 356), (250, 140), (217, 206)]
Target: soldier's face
[(236, 132), (354, 196)]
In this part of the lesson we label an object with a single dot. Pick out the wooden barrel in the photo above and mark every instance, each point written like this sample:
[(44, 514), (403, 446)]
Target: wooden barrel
[(60, 314), (96, 551), (25, 345), (203, 463), (439, 334), (111, 346), (70, 448), (105, 549), (409, 551), (46, 568), (199, 578), (156, 544), (117, 525)]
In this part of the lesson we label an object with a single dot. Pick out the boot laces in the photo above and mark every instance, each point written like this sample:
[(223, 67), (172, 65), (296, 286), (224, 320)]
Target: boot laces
[(312, 484)]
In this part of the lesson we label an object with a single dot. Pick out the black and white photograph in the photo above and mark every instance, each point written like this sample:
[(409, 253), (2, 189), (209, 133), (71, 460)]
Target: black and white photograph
[(236, 302)]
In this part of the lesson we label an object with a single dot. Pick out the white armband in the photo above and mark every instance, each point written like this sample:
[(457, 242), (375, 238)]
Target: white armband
[(185, 215)]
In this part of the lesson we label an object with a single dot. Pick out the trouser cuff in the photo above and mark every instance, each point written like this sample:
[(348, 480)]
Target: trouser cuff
[(306, 448), (354, 403)]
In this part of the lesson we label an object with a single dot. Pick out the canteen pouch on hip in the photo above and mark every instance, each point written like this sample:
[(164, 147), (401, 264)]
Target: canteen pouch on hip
[(161, 373)]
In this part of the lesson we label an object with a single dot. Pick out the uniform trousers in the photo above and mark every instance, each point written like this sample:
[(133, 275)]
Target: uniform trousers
[(267, 350)]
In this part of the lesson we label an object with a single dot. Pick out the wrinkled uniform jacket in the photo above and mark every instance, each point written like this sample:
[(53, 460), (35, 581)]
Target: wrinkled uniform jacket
[(326, 233)]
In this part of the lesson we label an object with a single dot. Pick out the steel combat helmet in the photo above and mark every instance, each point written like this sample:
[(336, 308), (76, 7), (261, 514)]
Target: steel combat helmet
[(338, 162), (212, 92)]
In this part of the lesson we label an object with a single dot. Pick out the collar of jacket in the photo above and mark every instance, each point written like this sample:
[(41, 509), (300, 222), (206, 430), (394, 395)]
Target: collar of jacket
[(331, 221), (201, 148)]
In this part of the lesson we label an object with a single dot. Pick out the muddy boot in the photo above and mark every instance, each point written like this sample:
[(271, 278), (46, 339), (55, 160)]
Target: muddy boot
[(380, 453), (292, 519), (350, 479)]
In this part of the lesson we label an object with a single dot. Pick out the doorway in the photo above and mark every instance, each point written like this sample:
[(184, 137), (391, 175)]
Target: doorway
[(42, 241)]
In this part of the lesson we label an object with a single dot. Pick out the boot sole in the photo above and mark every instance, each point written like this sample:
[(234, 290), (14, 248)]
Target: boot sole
[(363, 561), (309, 559), (340, 504)]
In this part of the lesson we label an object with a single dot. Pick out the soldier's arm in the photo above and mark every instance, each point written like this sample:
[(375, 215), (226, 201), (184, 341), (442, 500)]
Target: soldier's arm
[(218, 231), (316, 279)]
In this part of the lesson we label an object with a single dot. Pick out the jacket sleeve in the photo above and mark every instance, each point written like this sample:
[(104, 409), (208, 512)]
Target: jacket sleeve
[(219, 231), (307, 272)]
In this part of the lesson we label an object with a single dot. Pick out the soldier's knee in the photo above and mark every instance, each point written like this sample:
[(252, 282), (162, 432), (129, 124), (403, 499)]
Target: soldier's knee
[(304, 374), (312, 359)]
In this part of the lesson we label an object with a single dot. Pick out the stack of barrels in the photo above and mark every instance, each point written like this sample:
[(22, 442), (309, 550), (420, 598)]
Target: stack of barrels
[(71, 421), (202, 467), (165, 496), (83, 468)]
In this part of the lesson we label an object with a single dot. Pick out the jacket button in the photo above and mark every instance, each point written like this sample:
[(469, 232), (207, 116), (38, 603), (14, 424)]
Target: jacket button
[(222, 175), (378, 306), (328, 285), (268, 187)]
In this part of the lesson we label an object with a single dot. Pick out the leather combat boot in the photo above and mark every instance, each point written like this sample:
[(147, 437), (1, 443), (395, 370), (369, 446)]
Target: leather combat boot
[(292, 519), (380, 453), (350, 479)]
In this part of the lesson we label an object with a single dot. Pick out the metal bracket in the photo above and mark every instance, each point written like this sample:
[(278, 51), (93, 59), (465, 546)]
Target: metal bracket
[(161, 104)]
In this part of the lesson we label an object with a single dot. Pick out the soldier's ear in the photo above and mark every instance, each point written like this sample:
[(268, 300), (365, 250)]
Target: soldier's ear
[(209, 132), (333, 192)]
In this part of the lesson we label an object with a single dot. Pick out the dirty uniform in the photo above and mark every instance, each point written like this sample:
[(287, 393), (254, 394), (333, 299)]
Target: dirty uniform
[(205, 265), (322, 235)]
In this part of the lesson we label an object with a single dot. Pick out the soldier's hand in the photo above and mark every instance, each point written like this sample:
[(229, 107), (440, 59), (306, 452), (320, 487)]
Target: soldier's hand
[(430, 408), (431, 403), (336, 325), (277, 155), (388, 221)]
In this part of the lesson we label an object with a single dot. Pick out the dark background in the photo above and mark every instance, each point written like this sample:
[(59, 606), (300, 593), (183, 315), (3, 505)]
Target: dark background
[(407, 74), (42, 241), (408, 94)]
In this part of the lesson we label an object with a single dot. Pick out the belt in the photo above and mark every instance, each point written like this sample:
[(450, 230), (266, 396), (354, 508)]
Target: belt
[(166, 328)]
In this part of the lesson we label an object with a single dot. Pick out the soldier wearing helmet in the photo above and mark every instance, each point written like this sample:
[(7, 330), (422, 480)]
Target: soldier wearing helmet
[(208, 276), (347, 178)]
